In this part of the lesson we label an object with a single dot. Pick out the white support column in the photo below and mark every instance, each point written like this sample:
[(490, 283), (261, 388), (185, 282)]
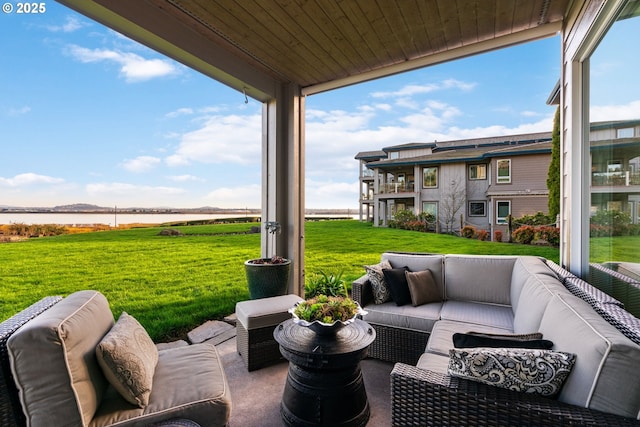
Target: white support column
[(283, 180)]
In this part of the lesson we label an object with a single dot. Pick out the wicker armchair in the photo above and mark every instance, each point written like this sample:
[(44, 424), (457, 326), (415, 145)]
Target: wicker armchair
[(424, 398)]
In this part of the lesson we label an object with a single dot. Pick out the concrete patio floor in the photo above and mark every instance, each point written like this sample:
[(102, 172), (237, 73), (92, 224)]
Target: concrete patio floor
[(256, 395)]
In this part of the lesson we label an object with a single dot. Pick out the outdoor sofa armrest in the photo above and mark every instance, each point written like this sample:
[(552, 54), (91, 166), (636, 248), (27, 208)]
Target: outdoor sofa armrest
[(424, 398), (361, 291), (10, 409)]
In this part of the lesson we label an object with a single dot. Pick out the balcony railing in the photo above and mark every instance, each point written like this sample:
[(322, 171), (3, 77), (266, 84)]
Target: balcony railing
[(397, 187), (613, 179)]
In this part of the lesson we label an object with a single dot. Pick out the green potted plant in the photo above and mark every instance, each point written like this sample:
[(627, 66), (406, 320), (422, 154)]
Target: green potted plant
[(268, 277), (325, 315), (327, 307)]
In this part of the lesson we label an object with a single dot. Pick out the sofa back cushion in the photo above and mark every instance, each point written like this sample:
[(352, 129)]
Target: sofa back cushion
[(532, 301), (54, 363), (478, 278), (419, 262), (523, 269), (605, 376)]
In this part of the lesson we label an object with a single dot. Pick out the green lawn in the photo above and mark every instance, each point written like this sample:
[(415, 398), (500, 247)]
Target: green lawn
[(172, 283)]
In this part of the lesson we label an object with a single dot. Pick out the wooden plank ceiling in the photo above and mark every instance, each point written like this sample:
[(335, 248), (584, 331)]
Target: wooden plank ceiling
[(314, 41), (253, 43)]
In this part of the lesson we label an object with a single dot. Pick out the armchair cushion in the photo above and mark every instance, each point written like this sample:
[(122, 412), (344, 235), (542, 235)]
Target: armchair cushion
[(526, 370), (128, 358)]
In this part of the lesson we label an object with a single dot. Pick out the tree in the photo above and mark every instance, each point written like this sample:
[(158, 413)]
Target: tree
[(452, 201), (553, 175)]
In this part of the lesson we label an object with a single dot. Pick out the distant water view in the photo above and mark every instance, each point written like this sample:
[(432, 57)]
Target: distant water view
[(113, 220)]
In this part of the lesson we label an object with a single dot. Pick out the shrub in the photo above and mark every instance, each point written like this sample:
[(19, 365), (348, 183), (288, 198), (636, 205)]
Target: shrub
[(497, 236), (537, 219), (468, 231), (549, 234), (401, 218), (482, 235), (330, 284), (619, 223), (524, 234)]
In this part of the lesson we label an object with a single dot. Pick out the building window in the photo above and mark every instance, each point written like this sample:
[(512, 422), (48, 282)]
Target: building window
[(430, 177), (393, 155), (477, 172), (625, 133), (478, 208), (503, 210), (430, 208), (504, 171)]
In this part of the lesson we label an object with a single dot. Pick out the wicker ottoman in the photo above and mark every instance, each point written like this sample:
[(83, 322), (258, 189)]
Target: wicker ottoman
[(256, 320)]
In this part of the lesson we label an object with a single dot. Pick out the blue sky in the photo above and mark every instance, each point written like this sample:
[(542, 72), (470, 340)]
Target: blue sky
[(89, 116)]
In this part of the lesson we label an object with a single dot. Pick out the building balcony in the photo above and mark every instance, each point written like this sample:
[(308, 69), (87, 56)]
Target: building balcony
[(397, 187), (615, 179)]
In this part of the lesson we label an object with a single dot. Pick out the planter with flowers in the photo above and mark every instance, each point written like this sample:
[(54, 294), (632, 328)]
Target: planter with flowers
[(326, 315)]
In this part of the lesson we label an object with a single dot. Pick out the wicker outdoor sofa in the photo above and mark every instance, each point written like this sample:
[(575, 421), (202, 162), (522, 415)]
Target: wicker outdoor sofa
[(51, 374), (510, 295)]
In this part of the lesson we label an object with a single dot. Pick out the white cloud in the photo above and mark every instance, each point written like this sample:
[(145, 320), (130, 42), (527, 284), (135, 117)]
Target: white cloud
[(141, 164), (411, 90), (179, 112), (236, 197), (342, 195), (14, 112), (25, 179), (601, 113), (185, 178), (126, 189), (70, 25), (133, 67), (221, 139)]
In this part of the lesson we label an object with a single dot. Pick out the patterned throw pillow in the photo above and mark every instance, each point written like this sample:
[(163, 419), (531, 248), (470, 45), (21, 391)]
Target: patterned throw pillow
[(128, 359), (531, 371), (379, 285)]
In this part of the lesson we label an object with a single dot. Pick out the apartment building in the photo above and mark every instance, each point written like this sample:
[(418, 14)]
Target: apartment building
[(481, 181)]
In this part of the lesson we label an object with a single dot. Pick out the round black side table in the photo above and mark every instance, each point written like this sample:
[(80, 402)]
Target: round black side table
[(324, 385)]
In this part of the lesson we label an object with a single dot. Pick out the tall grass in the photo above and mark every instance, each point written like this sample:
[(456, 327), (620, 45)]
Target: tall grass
[(173, 283)]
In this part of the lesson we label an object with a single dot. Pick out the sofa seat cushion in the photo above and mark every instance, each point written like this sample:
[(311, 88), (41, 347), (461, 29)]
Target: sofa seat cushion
[(605, 376), (441, 338), (54, 364), (189, 382), (419, 318), (433, 362), (494, 315)]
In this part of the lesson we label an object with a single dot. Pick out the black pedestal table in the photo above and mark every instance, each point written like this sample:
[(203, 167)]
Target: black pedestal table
[(324, 384)]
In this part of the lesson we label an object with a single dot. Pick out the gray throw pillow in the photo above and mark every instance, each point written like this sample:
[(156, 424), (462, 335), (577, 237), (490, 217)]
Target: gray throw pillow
[(128, 359), (540, 372), (381, 292), (422, 287)]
